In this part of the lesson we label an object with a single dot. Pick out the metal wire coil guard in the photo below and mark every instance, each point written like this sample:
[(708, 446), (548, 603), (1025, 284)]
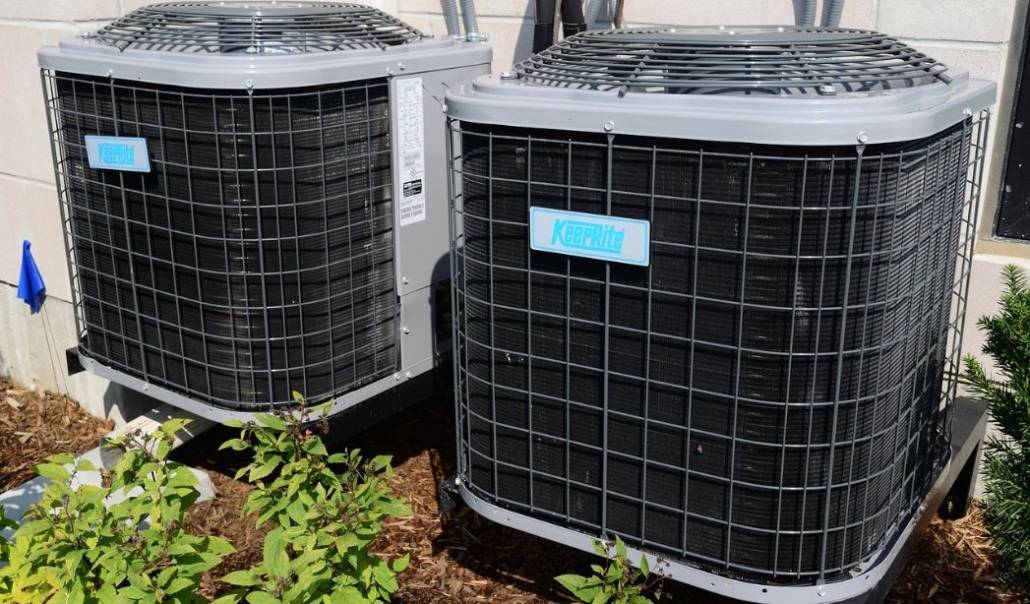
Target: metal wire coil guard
[(763, 60), (254, 260), (255, 28), (769, 398)]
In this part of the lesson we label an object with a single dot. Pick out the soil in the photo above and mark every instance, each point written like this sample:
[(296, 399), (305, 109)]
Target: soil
[(464, 558)]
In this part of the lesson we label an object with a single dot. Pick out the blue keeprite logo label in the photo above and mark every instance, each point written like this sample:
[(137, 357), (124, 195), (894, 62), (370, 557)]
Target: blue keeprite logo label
[(117, 153), (624, 240)]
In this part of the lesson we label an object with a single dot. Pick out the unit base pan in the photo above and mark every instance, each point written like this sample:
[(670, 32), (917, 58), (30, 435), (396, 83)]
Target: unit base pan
[(218, 414)]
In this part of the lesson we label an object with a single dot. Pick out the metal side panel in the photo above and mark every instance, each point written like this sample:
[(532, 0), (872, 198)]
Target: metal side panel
[(417, 332), (420, 178)]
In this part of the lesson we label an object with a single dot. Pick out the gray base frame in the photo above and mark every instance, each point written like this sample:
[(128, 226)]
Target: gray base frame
[(869, 585), (218, 414)]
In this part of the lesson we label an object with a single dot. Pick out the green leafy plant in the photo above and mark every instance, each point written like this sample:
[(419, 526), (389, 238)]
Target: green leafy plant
[(1007, 457), (615, 582), (121, 541), (325, 510), (5, 548)]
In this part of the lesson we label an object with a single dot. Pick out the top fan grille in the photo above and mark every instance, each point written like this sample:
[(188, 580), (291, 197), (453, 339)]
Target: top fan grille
[(771, 60), (256, 28)]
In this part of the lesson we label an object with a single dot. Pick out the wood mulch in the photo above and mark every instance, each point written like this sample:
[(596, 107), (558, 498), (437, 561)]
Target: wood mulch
[(35, 424), (952, 564), (464, 559)]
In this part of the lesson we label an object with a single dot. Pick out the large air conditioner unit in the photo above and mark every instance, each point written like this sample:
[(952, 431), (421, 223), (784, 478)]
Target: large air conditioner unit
[(706, 296), (254, 199)]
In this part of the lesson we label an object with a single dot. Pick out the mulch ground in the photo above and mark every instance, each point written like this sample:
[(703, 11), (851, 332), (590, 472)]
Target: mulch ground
[(464, 558), (35, 424)]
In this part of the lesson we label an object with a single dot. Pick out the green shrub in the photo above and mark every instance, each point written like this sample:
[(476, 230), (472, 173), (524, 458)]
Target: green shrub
[(617, 581), (325, 510), (5, 549), (77, 545), (1006, 462)]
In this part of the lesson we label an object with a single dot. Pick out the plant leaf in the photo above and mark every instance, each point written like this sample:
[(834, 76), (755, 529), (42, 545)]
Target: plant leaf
[(573, 583), (55, 472), (242, 578), (273, 422), (275, 558), (401, 564), (260, 597)]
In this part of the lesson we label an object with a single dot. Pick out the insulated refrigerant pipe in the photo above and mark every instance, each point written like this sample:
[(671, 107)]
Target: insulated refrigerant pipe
[(450, 17), (573, 21), (543, 30), (547, 13)]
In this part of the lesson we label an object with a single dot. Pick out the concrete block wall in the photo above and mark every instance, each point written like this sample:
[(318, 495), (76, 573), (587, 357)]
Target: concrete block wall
[(974, 36), (32, 346)]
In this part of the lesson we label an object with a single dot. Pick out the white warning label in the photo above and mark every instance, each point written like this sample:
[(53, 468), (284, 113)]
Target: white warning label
[(412, 145)]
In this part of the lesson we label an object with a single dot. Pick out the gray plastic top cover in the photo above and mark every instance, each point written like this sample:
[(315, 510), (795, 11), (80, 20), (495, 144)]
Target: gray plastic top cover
[(768, 85), (254, 45)]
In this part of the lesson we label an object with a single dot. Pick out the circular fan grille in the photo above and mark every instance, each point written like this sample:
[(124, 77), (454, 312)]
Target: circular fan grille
[(256, 27), (771, 60)]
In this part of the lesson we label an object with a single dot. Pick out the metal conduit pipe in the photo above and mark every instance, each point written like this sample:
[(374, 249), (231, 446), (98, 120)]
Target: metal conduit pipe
[(594, 11), (808, 13), (450, 17), (556, 21), (468, 15), (833, 13)]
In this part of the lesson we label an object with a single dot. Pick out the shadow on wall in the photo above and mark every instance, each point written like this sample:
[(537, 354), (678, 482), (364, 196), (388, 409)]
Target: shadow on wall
[(524, 44), (126, 402)]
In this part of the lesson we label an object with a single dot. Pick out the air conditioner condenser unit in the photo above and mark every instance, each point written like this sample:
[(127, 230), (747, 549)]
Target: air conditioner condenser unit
[(706, 297), (254, 198)]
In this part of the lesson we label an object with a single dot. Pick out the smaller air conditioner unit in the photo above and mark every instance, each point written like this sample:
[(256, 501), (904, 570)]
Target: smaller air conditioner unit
[(254, 198), (706, 297)]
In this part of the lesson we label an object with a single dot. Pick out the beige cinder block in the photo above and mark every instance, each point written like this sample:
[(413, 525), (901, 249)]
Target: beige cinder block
[(26, 149), (726, 12), (30, 211), (512, 40), (59, 10), (982, 21), (32, 352)]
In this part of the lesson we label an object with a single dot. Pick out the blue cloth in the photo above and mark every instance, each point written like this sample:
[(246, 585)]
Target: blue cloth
[(30, 284)]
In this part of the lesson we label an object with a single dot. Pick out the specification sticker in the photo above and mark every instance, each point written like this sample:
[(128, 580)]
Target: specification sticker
[(412, 145)]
